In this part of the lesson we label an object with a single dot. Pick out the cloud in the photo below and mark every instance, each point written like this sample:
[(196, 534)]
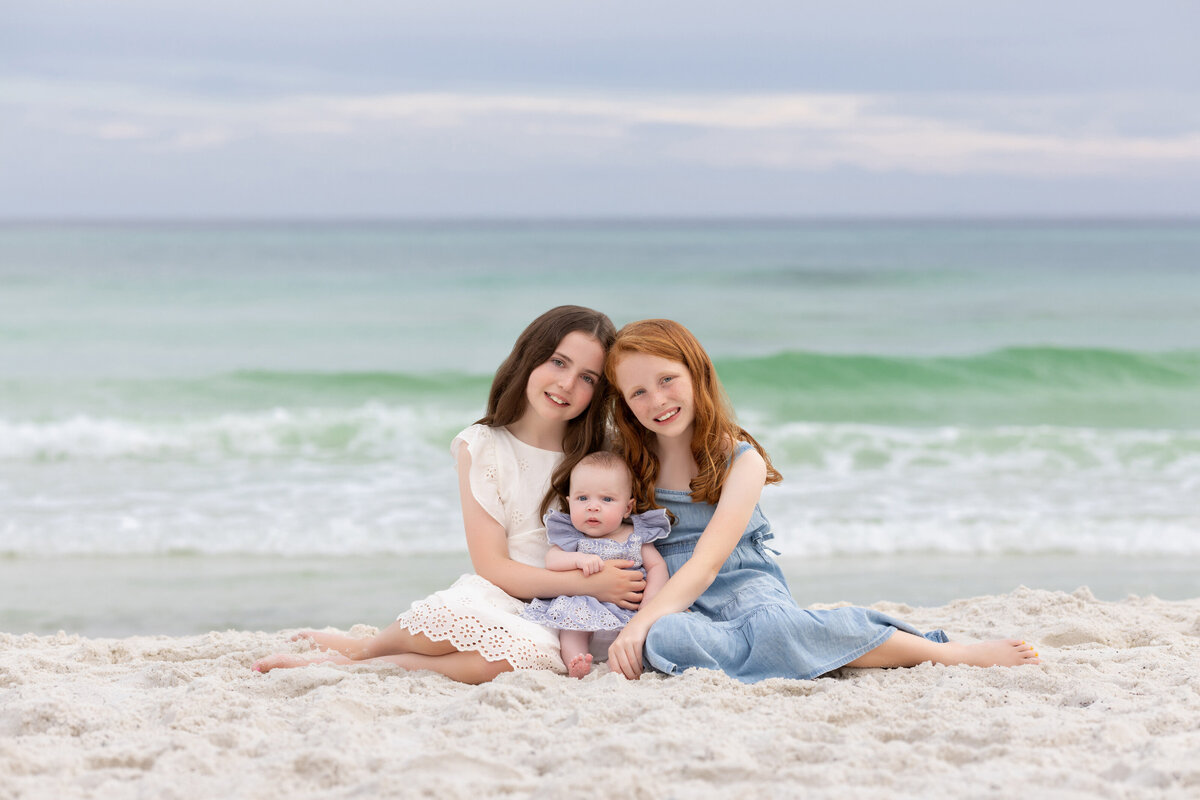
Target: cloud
[(121, 130), (932, 134)]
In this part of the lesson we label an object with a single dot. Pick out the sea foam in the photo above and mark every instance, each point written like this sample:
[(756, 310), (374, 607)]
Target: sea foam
[(379, 479)]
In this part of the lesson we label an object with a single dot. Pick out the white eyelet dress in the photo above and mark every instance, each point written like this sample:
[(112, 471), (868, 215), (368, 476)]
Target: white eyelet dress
[(508, 479)]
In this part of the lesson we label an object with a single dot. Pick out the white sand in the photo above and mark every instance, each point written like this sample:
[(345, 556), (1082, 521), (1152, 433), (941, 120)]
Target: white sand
[(1114, 712)]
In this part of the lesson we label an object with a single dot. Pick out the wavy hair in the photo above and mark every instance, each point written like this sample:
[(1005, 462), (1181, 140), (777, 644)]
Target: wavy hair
[(506, 400), (715, 427)]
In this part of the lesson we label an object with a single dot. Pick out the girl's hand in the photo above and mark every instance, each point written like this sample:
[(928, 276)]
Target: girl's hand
[(625, 653), (590, 564), (618, 584)]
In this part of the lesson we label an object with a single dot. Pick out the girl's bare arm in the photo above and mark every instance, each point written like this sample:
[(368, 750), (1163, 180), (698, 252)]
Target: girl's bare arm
[(656, 572), (740, 494)]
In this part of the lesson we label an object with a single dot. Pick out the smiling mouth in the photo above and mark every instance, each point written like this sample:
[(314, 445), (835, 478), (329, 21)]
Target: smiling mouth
[(667, 417), (557, 400)]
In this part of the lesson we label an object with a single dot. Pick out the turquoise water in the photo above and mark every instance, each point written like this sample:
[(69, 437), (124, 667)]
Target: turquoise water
[(928, 389), (202, 300)]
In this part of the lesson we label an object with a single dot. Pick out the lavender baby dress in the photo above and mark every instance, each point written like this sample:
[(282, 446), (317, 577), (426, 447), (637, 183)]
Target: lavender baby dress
[(584, 612)]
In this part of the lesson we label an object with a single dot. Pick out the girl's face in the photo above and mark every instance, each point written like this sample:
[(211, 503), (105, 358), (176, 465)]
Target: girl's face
[(601, 498), (659, 393), (561, 389)]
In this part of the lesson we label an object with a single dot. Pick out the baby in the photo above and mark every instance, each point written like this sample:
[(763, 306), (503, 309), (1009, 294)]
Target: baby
[(601, 498)]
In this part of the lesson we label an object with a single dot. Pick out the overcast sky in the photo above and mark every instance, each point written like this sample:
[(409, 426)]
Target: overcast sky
[(561, 108)]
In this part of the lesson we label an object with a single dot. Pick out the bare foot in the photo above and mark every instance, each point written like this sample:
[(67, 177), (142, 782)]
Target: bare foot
[(349, 646), (580, 665), (292, 660), (996, 653)]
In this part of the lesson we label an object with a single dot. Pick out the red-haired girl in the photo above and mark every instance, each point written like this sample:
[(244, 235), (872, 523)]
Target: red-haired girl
[(679, 436)]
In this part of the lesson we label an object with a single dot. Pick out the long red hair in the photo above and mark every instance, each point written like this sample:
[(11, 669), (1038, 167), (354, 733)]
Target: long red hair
[(715, 428)]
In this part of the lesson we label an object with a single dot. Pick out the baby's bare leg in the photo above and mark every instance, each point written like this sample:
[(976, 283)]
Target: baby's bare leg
[(907, 650), (575, 655), (468, 667), (392, 640)]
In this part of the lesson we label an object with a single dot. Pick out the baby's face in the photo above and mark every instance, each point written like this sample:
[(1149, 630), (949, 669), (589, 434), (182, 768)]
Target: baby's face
[(600, 498)]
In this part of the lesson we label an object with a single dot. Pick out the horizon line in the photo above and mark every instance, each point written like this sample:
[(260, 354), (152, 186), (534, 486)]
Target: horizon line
[(540, 219)]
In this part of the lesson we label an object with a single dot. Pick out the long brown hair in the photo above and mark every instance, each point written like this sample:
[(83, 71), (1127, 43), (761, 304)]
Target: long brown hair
[(715, 428), (506, 400)]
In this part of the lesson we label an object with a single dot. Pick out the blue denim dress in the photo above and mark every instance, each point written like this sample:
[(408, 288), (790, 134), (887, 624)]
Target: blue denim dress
[(746, 623)]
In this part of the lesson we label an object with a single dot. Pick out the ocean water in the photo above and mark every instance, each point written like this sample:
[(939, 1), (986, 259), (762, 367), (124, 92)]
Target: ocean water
[(1007, 398)]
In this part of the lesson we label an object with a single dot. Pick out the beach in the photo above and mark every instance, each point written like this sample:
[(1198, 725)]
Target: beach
[(212, 435), (262, 266), (1111, 712)]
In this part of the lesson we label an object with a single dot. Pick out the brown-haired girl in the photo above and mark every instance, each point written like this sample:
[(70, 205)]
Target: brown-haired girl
[(545, 412), (679, 437)]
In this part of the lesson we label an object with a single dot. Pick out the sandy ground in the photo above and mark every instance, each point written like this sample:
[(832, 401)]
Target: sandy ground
[(1113, 712)]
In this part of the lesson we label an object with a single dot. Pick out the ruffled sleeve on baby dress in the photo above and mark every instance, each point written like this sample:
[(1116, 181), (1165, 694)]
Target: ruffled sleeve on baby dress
[(480, 441), (651, 525), (561, 532)]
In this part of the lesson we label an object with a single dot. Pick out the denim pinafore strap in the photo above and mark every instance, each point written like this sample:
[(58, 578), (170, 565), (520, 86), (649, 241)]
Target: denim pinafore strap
[(746, 623)]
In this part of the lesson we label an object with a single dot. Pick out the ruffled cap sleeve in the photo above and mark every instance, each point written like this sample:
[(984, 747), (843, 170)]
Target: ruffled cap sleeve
[(561, 533), (480, 441), (651, 525)]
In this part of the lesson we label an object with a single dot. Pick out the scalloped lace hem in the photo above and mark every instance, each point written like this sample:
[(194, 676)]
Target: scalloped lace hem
[(467, 633)]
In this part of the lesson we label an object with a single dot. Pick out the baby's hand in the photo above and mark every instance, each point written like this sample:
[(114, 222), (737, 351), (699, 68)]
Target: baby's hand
[(589, 564)]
